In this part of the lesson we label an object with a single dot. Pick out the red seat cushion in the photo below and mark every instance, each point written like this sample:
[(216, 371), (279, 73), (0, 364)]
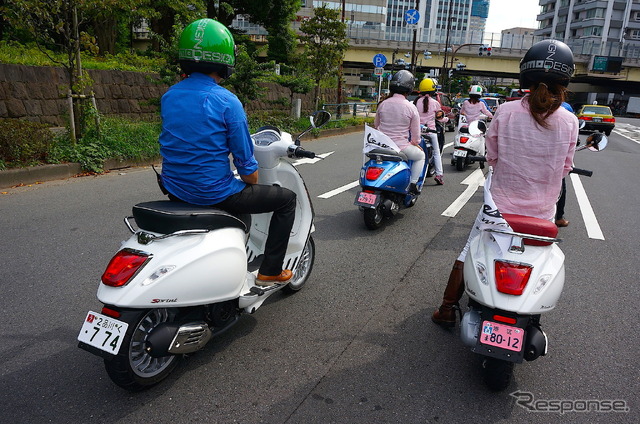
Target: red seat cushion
[(534, 226)]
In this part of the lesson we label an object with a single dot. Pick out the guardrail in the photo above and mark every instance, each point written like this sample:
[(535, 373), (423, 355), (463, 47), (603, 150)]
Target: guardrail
[(353, 109)]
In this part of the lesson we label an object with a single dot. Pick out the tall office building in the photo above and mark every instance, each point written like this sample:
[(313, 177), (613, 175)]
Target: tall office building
[(592, 26)]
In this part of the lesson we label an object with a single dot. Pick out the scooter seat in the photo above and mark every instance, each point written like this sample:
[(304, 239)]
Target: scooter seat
[(387, 154), (165, 217), (534, 226)]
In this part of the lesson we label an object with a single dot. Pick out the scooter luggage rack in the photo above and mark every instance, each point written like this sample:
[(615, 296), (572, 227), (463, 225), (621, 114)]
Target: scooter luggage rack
[(517, 239), (146, 238)]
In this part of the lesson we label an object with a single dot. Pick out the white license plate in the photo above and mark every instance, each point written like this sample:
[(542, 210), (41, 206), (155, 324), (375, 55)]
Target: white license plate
[(103, 332), (460, 153)]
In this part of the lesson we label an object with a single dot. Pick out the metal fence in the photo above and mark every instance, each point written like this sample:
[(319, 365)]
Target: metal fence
[(351, 109)]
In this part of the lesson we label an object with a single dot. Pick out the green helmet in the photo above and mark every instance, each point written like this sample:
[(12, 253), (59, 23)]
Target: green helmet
[(207, 46)]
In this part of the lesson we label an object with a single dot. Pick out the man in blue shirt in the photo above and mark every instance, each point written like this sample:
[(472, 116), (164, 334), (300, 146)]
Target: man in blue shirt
[(202, 124)]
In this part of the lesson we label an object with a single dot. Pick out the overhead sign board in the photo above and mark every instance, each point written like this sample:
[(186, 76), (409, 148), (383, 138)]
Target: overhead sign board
[(607, 64)]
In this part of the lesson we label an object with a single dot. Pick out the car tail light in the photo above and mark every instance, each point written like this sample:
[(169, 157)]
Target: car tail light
[(609, 120), (123, 266), (373, 172), (586, 118), (464, 139), (512, 277)]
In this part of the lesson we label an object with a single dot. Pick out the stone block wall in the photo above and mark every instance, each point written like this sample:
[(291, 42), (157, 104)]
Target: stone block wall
[(38, 93)]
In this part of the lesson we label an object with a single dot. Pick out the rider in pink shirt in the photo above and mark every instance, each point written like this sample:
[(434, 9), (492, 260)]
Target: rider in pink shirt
[(398, 118), (473, 108), (530, 146)]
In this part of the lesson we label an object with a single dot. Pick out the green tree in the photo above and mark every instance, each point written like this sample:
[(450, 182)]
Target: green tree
[(295, 79), (325, 41), (244, 79)]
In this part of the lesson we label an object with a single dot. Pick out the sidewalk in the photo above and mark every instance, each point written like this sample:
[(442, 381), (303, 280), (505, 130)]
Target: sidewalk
[(36, 174)]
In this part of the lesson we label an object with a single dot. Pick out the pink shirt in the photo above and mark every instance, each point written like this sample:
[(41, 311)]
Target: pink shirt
[(528, 160), (398, 118), (428, 118), (473, 111)]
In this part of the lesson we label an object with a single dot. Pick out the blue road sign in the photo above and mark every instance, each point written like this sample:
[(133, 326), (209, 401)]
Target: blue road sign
[(411, 16), (379, 60)]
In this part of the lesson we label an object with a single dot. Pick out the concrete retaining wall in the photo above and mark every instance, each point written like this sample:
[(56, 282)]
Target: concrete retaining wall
[(38, 93)]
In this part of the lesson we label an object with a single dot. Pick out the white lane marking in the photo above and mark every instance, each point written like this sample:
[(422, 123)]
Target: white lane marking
[(339, 190), (621, 133), (474, 181), (314, 160), (589, 218)]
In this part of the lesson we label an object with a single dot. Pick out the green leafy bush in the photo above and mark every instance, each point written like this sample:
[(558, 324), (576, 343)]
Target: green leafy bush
[(23, 143)]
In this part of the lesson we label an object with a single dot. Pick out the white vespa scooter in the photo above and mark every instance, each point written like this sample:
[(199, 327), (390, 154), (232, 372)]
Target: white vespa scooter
[(188, 272), (468, 143), (513, 276)]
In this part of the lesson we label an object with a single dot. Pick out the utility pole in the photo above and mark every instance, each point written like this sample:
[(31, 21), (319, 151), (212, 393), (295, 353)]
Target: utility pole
[(413, 48), (338, 111), (445, 64)]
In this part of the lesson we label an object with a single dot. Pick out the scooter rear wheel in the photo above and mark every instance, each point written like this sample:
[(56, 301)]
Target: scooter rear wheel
[(133, 368), (460, 163), (373, 218), (303, 268), (497, 373)]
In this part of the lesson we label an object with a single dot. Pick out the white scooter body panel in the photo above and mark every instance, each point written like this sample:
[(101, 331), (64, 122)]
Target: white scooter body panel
[(208, 268), (537, 298), (475, 143)]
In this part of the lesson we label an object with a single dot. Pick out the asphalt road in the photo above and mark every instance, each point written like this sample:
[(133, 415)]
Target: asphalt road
[(356, 345)]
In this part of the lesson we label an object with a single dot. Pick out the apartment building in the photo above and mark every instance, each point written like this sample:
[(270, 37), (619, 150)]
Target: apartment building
[(591, 26)]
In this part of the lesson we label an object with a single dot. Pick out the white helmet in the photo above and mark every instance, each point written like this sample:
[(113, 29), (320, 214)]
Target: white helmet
[(475, 90)]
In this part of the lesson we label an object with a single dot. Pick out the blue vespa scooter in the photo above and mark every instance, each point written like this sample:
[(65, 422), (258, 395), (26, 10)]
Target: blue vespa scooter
[(384, 181)]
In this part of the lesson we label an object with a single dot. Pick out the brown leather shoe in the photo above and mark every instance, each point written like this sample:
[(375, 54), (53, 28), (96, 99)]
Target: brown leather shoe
[(562, 222), (268, 280)]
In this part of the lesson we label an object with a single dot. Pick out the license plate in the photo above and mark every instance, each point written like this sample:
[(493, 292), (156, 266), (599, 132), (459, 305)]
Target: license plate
[(502, 336), (597, 119), (103, 332), (460, 153), (367, 199)]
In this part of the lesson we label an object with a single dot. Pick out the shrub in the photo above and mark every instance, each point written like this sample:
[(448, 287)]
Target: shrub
[(24, 143)]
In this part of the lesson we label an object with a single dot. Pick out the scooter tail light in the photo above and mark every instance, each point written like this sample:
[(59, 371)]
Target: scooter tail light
[(373, 172), (123, 267), (512, 277), (464, 139)]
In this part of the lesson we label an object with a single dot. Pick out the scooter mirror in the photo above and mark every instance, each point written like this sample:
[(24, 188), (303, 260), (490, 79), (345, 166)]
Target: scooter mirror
[(477, 128), (597, 142), (319, 118), (581, 124)]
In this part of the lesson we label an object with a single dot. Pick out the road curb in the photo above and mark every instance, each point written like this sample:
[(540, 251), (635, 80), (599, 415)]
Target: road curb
[(36, 174)]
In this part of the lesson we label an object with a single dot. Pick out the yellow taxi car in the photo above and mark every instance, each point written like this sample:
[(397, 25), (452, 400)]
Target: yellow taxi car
[(597, 118)]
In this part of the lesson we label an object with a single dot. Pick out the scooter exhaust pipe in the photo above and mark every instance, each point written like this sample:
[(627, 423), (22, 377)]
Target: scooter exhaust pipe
[(177, 339)]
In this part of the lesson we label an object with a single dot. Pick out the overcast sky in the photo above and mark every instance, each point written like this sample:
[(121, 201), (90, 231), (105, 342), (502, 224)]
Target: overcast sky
[(505, 14)]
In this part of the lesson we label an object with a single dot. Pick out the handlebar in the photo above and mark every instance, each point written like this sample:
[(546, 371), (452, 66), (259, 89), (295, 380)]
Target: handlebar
[(299, 152), (579, 171)]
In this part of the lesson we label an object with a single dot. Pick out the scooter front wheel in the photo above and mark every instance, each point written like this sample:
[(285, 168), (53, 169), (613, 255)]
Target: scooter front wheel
[(133, 368), (373, 218), (303, 268), (497, 373)]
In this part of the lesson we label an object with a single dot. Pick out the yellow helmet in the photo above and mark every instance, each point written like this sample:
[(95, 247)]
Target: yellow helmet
[(427, 85)]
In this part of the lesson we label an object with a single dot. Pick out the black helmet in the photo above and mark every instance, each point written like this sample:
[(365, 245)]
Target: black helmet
[(402, 82), (547, 61)]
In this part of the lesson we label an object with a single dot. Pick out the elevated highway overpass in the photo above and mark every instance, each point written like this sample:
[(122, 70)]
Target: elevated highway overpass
[(503, 63)]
